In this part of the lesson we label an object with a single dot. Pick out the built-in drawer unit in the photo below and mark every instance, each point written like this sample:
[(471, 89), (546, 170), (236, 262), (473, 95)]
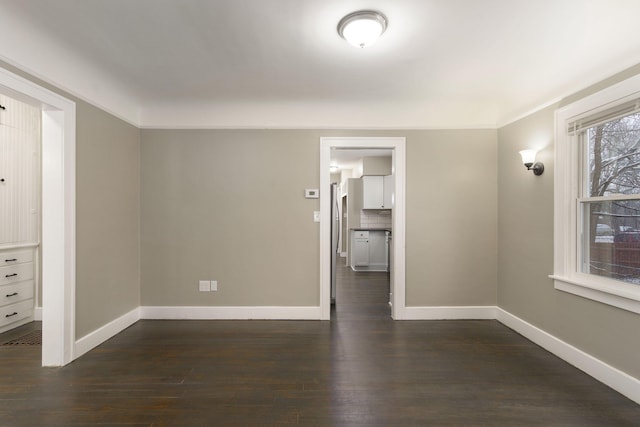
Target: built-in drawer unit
[(17, 287), (16, 273), (15, 312), (16, 292), (15, 256)]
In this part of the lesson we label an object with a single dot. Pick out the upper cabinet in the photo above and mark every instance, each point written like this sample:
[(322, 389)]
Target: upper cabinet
[(387, 191), (377, 192)]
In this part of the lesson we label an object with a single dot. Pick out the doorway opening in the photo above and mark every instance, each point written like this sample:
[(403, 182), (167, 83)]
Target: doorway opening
[(361, 226), (57, 214), (393, 212)]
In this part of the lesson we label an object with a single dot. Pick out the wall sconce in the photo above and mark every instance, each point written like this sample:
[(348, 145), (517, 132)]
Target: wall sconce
[(529, 160)]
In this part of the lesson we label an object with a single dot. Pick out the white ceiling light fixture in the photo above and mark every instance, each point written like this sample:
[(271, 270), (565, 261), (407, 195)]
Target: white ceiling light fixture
[(362, 28)]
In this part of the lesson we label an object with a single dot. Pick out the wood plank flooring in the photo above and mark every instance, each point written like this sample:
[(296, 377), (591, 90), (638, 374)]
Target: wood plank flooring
[(360, 369)]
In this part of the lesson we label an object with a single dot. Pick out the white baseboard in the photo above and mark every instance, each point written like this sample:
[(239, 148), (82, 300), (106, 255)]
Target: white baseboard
[(230, 313), (621, 382), (100, 335), (449, 313), (37, 314)]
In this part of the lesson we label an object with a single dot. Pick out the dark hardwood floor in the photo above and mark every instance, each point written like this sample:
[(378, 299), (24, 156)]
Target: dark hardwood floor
[(360, 369)]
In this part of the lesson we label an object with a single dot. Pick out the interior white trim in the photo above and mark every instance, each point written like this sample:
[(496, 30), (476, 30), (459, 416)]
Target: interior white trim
[(58, 216), (398, 145), (506, 121), (616, 379), (102, 334), (450, 313), (597, 292), (229, 313), (37, 314), (160, 125), (566, 274), (19, 246)]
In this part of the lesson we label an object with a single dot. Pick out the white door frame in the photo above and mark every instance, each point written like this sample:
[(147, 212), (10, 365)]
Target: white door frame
[(58, 216), (397, 144)]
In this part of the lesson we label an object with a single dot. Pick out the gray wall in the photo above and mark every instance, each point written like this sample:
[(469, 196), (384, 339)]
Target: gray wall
[(107, 214), (451, 244), (107, 218), (377, 165), (525, 237), (228, 205)]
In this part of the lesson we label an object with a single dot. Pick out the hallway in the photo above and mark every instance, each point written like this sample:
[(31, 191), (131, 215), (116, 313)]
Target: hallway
[(359, 369), (362, 295)]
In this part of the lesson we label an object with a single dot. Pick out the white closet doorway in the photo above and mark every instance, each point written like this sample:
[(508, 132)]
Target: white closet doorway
[(58, 214)]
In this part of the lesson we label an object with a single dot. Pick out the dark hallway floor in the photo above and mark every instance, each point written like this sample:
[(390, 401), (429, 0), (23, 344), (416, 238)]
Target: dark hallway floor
[(360, 369), (361, 295)]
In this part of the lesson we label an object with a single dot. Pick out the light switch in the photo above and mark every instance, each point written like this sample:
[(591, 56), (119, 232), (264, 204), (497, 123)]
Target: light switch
[(316, 216), (214, 285), (205, 285)]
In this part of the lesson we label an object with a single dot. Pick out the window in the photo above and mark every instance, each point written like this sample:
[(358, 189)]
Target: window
[(597, 197), (610, 199)]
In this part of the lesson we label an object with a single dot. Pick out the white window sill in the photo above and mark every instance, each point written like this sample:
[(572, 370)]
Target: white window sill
[(617, 294)]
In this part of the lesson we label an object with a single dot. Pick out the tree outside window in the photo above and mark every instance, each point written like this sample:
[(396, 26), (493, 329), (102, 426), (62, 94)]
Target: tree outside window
[(611, 202)]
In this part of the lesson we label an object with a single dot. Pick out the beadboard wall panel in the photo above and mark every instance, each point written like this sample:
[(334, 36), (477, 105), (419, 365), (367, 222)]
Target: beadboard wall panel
[(20, 131)]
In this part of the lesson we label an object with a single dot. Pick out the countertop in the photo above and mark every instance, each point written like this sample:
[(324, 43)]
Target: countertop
[(369, 229)]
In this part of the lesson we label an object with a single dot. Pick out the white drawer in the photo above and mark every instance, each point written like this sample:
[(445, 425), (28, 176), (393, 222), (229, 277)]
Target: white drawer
[(16, 273), (361, 234), (10, 294), (14, 312), (15, 256)]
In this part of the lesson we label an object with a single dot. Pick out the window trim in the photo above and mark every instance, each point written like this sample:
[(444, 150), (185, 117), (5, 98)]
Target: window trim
[(566, 275)]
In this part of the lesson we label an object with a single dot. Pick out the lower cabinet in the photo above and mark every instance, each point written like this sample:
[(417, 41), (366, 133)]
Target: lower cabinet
[(360, 247), (368, 250), (17, 288)]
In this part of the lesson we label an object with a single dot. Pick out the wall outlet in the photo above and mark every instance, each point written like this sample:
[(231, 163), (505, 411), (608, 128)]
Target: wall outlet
[(214, 285), (205, 285)]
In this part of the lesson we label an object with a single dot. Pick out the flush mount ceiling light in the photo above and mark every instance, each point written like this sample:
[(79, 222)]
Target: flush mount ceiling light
[(362, 28)]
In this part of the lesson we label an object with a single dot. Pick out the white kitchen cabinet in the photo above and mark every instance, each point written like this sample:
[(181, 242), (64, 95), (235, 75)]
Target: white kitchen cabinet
[(377, 251), (360, 248), (372, 192), (387, 191), (377, 192), (369, 251)]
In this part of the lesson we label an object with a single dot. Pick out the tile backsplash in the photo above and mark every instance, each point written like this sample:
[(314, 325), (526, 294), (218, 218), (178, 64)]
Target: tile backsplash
[(374, 218)]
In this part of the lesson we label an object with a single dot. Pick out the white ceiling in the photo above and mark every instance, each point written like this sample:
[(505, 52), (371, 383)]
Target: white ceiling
[(281, 63)]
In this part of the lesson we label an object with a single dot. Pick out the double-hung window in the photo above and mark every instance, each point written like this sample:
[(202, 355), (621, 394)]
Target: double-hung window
[(597, 197)]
